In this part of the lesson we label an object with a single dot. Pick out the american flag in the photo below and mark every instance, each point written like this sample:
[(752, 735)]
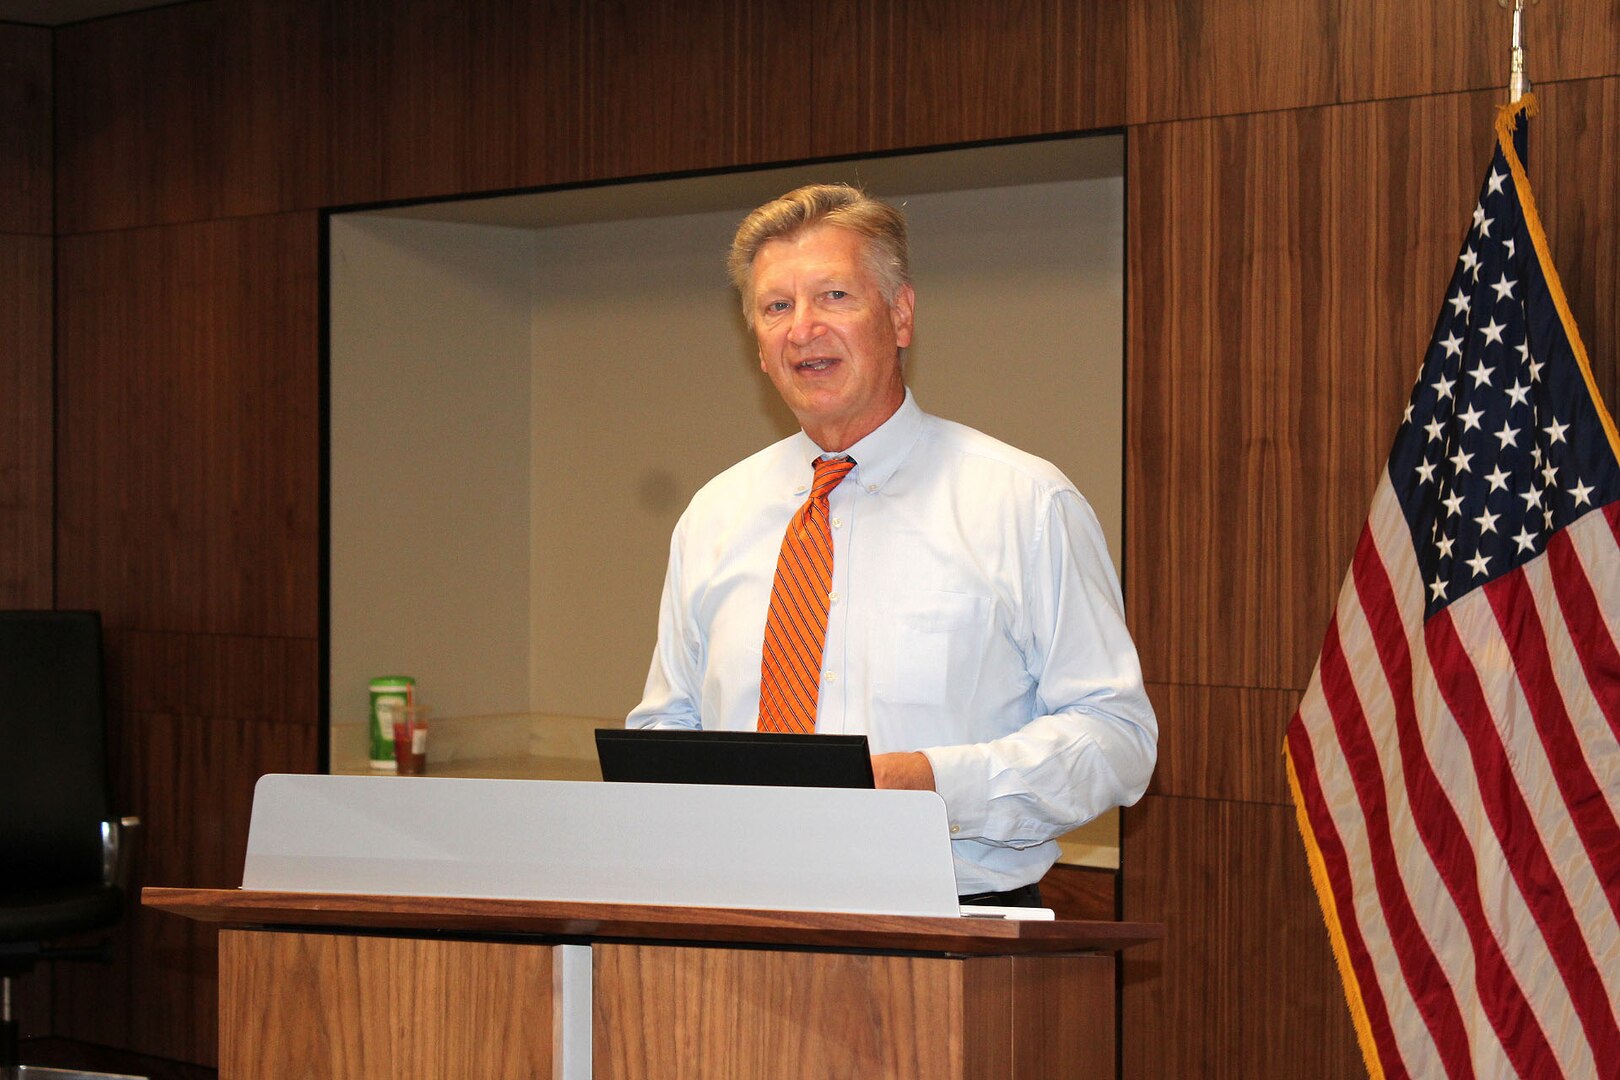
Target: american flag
[(1455, 761)]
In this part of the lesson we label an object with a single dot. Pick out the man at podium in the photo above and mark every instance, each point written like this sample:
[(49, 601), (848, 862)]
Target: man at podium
[(890, 573)]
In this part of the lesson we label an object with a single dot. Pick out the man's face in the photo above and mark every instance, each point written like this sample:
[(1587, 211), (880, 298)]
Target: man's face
[(827, 337)]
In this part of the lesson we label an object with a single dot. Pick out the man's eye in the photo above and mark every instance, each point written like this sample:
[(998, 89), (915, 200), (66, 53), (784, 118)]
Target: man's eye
[(836, 294), (776, 306)]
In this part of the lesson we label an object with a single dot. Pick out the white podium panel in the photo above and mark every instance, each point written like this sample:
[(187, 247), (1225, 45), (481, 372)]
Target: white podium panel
[(787, 849)]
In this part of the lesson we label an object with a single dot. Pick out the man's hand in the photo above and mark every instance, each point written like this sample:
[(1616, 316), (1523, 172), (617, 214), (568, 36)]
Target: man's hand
[(904, 770)]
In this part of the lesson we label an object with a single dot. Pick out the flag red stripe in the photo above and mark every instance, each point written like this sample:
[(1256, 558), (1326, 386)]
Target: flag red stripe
[(1337, 865), (1594, 822), (1499, 989), (1427, 980), (1445, 839), (1516, 826), (1594, 640)]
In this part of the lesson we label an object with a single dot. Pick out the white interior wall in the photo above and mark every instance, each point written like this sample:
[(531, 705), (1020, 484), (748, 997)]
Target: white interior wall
[(644, 380), (1021, 324), (430, 435)]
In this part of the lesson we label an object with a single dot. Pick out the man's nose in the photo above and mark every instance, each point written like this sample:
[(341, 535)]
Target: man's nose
[(806, 325)]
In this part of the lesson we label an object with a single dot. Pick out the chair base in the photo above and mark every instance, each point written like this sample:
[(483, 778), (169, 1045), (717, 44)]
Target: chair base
[(36, 1072), (11, 1069)]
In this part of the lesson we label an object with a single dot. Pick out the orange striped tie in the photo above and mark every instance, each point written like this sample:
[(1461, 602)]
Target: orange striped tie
[(796, 622)]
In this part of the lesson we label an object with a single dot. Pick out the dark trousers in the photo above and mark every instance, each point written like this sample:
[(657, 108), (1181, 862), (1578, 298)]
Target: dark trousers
[(1025, 896)]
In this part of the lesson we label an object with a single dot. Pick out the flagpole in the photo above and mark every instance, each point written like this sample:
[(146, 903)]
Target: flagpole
[(1517, 83)]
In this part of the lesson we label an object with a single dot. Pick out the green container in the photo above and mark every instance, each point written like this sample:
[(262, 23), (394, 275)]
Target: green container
[(387, 690)]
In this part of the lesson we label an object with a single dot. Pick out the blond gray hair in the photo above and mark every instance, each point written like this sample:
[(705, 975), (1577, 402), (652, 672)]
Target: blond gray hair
[(884, 227)]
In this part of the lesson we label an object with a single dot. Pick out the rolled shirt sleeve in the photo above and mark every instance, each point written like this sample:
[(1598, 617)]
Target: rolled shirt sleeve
[(1092, 744)]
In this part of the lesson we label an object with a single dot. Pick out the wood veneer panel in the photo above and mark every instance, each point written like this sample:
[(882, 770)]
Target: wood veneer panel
[(778, 110), (1059, 1030), (1221, 57), (1243, 983), (1575, 170), (1221, 742), (25, 421), (714, 1014), (1285, 271), (190, 780), (664, 84), (673, 87), (1429, 46), (941, 72), (1081, 892), (450, 96), (187, 447), (717, 1013), (1097, 91), (25, 117), (852, 74), (221, 677), (341, 1007), (25, 317), (190, 111), (1437, 46), (1217, 57), (208, 110)]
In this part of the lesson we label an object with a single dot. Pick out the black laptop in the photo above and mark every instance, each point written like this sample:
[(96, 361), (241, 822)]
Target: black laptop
[(765, 758)]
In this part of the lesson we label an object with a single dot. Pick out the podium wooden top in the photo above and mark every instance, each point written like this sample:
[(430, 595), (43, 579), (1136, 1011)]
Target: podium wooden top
[(639, 922)]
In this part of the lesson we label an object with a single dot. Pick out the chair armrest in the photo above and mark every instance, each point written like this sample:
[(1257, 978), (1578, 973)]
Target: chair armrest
[(118, 852)]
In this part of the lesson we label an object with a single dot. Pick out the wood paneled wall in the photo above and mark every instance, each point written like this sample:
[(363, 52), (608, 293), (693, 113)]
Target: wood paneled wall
[(219, 109), (1299, 179), (25, 317), (188, 447), (25, 358)]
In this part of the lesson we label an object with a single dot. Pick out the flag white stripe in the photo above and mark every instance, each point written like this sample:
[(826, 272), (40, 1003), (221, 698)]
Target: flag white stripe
[(1453, 766), (1595, 916), (1513, 924), (1596, 740), (1595, 545), (1508, 915), (1412, 1035)]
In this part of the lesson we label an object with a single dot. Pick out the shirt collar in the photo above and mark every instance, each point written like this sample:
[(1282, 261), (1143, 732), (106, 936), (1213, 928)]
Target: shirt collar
[(880, 453)]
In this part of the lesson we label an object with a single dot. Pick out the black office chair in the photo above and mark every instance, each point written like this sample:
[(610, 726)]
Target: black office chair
[(61, 871)]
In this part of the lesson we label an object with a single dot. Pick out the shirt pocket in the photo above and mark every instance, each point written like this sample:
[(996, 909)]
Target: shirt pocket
[(930, 646)]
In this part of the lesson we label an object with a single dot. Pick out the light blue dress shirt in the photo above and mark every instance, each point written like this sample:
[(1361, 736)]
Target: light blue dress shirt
[(974, 616)]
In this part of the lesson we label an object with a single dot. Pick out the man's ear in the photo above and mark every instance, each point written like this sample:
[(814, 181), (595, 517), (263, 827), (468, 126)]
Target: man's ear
[(901, 312)]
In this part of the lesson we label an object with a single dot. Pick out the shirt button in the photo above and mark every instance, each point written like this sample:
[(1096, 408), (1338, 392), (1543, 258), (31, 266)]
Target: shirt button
[(956, 828), (830, 677), (832, 598), (871, 489), (838, 523)]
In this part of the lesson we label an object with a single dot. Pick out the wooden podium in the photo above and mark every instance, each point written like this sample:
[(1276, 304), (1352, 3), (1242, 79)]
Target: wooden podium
[(380, 987), (441, 928)]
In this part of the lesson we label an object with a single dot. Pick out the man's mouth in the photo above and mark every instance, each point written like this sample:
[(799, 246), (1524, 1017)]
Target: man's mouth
[(819, 363)]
